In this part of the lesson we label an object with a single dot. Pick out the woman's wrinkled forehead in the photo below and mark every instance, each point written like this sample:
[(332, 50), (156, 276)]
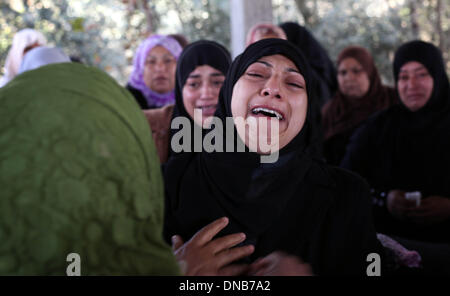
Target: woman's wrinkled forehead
[(413, 66), (422, 52), (269, 62), (254, 52), (265, 60), (360, 54)]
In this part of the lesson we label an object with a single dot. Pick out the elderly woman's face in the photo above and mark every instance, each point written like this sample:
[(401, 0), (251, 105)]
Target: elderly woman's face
[(159, 70), (415, 85), (353, 80), (271, 90), (201, 91)]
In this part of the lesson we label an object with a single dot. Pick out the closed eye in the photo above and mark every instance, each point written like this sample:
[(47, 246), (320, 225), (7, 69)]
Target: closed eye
[(423, 74), (193, 84), (253, 74), (295, 85)]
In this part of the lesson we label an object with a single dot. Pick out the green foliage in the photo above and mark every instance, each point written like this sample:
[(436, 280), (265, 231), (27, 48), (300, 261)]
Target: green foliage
[(82, 28), (105, 33), (206, 19), (381, 26), (380, 35)]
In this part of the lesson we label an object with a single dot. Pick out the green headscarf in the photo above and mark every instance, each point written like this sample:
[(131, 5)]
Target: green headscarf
[(79, 174)]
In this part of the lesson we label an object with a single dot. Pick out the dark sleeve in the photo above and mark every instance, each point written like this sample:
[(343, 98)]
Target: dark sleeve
[(350, 232), (358, 152), (361, 238), (169, 226), (359, 158), (173, 172)]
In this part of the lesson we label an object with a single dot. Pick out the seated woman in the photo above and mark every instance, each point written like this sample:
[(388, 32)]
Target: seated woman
[(200, 73), (296, 205), (404, 149), (23, 41), (79, 174), (360, 95), (152, 81)]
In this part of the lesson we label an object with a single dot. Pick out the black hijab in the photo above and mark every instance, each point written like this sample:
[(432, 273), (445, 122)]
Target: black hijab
[(236, 184), (199, 53), (438, 106), (413, 135)]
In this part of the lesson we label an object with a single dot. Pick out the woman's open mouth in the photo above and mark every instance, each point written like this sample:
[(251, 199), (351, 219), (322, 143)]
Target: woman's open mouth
[(207, 110), (268, 112)]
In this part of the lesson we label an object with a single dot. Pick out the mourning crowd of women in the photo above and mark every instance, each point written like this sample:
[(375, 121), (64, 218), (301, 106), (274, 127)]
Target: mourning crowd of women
[(88, 166)]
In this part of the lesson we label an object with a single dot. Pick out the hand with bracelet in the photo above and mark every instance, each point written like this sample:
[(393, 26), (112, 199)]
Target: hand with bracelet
[(398, 205), (432, 210)]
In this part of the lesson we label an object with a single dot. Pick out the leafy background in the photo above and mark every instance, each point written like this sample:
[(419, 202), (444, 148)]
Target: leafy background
[(105, 33)]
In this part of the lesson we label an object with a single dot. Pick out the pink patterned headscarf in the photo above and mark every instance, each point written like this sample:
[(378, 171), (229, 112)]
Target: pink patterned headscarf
[(264, 29), (21, 40), (154, 99)]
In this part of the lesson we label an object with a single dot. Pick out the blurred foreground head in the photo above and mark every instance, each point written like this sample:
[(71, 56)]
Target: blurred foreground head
[(41, 56), (79, 174), (23, 41)]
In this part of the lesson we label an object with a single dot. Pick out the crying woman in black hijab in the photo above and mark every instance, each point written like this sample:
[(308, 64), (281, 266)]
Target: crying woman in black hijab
[(296, 205), (200, 73)]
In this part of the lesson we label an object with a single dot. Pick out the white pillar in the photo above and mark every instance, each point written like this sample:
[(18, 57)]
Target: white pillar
[(244, 14)]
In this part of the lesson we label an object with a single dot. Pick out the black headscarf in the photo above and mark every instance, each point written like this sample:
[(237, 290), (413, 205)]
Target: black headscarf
[(414, 133), (315, 53), (236, 184), (438, 106), (199, 53)]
